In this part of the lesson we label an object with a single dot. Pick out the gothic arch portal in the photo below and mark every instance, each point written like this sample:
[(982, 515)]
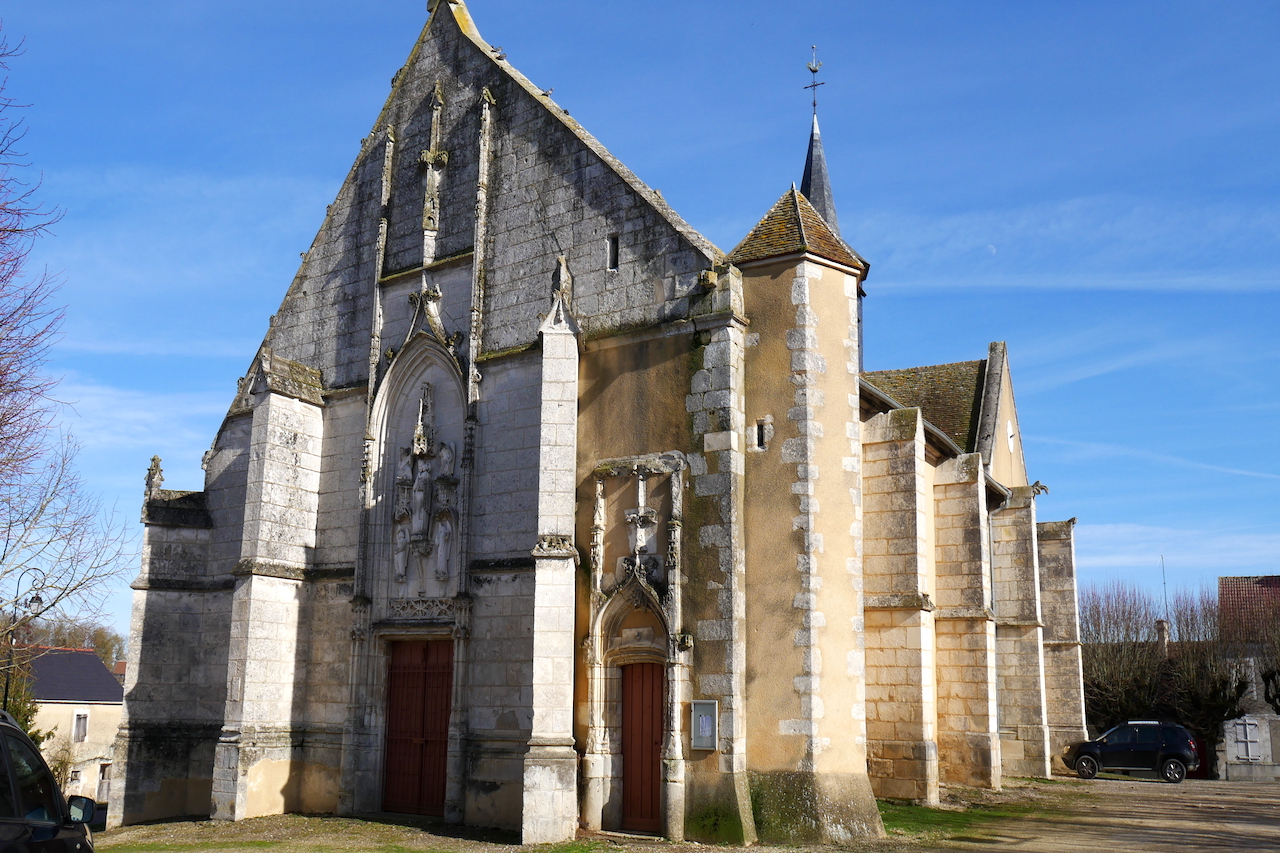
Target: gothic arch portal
[(635, 619)]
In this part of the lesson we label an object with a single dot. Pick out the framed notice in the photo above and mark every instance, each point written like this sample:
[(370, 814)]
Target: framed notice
[(703, 728)]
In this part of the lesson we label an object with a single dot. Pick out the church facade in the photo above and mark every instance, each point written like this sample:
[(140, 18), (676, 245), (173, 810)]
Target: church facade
[(537, 510)]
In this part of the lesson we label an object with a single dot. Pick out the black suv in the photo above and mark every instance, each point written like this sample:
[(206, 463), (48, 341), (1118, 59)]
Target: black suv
[(33, 814), (1168, 749)]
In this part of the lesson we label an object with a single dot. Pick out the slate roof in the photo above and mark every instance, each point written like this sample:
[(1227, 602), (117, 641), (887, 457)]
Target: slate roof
[(816, 183), (1248, 601), (73, 675), (792, 225), (950, 395)]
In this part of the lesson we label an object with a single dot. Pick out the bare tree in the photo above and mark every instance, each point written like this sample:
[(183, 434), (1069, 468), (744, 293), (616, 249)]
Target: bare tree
[(1122, 663), (1208, 677), (29, 318), (57, 549), (68, 633)]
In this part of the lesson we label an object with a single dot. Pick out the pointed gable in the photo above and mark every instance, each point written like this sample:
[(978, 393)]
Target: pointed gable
[(792, 226)]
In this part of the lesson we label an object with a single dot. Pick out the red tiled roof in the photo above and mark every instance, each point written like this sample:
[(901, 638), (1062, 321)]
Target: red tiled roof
[(1247, 601)]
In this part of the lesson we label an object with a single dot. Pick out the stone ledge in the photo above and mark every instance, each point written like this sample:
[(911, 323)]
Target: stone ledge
[(982, 614), (898, 601), (183, 584)]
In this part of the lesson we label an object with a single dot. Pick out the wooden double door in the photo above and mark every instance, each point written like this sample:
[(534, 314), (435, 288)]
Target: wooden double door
[(643, 689), (419, 701)]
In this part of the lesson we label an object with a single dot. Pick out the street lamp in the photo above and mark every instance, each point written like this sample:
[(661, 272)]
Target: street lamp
[(32, 604)]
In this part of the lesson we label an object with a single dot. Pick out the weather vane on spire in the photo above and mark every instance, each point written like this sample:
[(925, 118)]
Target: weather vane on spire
[(814, 67)]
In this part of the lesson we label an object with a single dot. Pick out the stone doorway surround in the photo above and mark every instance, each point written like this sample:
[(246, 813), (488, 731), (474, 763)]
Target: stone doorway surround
[(635, 617)]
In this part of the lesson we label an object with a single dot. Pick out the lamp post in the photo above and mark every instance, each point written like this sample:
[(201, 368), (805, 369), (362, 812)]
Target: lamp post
[(32, 604)]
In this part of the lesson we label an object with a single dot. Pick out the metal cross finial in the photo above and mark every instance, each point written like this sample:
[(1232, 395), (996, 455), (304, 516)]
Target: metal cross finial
[(814, 67)]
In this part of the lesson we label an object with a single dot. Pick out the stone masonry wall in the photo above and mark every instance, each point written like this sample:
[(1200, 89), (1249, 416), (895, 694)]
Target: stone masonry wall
[(902, 711), (1024, 733), (1064, 686), (968, 737)]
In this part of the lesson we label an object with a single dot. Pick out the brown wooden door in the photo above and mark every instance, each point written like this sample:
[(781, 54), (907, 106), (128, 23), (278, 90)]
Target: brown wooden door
[(642, 695), (419, 698)]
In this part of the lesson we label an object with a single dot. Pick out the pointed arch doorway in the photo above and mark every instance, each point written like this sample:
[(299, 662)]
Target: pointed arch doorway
[(643, 690)]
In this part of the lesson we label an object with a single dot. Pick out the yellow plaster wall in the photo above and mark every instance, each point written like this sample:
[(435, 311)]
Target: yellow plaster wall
[(283, 786), (1007, 468)]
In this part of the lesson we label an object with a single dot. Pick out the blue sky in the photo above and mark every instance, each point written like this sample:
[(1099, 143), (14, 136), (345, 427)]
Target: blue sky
[(1094, 183)]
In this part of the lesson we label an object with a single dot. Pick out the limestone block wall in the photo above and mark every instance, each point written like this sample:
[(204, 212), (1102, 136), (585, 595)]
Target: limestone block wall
[(898, 573), (550, 807), (174, 689), (506, 479), (226, 467), (1024, 732), (338, 501), (552, 191), (1063, 676), (717, 601), (499, 698), (968, 736)]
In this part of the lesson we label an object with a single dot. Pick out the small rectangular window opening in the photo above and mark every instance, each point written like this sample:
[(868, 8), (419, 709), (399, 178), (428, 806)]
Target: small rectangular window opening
[(81, 731), (760, 439), (613, 251)]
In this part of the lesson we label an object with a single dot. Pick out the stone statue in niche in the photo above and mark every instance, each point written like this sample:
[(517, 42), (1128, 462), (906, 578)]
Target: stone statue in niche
[(401, 555), (420, 506), (642, 530), (442, 543), (424, 515)]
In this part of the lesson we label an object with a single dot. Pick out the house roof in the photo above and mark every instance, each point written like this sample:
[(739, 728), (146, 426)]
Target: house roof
[(792, 225), (73, 675), (950, 395), (1248, 601)]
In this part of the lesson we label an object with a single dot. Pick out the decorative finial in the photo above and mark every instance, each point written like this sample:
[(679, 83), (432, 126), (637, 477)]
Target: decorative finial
[(814, 67), (155, 477)]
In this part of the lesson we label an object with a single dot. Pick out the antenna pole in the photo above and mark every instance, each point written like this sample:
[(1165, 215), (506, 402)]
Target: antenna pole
[(1165, 580)]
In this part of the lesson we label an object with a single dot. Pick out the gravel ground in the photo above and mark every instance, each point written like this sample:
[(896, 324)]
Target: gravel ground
[(1104, 815)]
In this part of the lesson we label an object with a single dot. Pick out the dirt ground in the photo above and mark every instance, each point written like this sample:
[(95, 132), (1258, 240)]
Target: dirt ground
[(1111, 815)]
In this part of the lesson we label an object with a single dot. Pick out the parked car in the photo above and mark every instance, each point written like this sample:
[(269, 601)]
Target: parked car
[(33, 814), (1165, 748)]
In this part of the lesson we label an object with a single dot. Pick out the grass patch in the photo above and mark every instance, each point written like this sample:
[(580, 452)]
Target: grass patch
[(907, 819), (173, 847)]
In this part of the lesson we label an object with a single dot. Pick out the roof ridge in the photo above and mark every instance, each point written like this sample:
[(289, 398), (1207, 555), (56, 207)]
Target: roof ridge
[(462, 17), (795, 201), (923, 366)]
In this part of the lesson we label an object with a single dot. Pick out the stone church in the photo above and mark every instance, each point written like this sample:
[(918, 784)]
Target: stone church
[(536, 510)]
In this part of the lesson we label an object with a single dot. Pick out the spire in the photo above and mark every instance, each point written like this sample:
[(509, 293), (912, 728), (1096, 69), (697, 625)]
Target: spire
[(816, 185)]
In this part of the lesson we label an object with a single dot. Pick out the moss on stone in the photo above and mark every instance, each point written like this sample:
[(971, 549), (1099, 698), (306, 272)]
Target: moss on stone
[(715, 824)]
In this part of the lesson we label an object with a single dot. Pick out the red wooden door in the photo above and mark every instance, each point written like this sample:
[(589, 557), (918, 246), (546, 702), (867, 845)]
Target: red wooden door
[(642, 694), (419, 698)]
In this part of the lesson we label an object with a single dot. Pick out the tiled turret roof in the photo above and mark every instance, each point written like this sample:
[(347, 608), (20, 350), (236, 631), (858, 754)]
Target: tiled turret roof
[(792, 225)]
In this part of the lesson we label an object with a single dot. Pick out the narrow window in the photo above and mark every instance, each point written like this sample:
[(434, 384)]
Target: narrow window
[(760, 439), (81, 731), (75, 777), (613, 251)]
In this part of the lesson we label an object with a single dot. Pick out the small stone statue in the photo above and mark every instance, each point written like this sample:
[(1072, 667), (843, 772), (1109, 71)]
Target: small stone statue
[(401, 552), (421, 494)]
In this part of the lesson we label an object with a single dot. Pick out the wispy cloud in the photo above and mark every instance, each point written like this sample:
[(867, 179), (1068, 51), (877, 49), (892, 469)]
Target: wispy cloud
[(1191, 556), (1090, 243), (1099, 449)]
